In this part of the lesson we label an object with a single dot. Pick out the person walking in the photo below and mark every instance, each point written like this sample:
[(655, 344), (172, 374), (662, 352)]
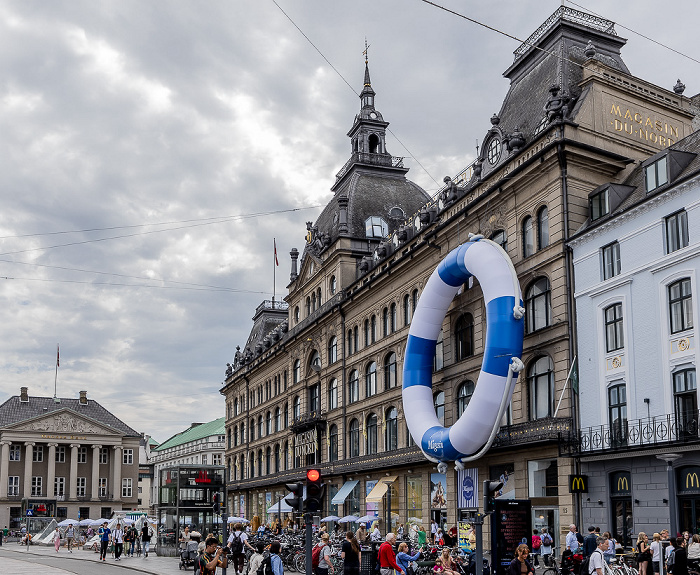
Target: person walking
[(572, 539), (536, 544), (276, 560), (351, 555), (596, 564), (104, 532), (589, 543), (324, 556), (57, 539), (70, 534), (118, 540), (546, 549), (146, 538), (237, 542), (387, 557), (256, 559), (521, 565)]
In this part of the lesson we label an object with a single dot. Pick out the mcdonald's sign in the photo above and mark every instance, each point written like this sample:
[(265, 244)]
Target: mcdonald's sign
[(578, 483), (689, 480), (620, 484)]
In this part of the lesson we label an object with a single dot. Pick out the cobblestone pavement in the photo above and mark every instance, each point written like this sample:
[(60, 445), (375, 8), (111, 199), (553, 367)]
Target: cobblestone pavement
[(40, 559)]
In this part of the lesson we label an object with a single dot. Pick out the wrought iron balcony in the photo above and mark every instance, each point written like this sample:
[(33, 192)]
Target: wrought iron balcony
[(658, 431), (308, 421), (540, 430), (371, 159)]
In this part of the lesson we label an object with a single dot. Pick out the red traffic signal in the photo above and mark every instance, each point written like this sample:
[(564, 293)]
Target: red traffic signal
[(315, 491), (313, 475)]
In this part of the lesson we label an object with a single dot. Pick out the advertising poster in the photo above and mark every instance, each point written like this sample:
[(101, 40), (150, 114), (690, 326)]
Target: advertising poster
[(438, 491), (268, 501), (504, 473), (467, 489), (371, 507), (463, 536), (511, 525), (241, 508)]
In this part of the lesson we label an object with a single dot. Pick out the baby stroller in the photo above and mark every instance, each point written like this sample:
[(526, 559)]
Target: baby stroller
[(188, 555)]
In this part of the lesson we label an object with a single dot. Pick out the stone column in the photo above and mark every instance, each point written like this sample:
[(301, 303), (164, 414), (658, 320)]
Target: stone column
[(117, 474), (28, 454), (4, 466), (73, 473), (51, 476), (95, 487)]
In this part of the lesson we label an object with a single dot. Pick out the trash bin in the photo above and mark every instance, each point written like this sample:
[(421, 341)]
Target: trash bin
[(369, 560)]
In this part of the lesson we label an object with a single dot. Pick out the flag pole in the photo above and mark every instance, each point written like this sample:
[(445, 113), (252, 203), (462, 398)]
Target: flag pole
[(55, 379), (274, 271)]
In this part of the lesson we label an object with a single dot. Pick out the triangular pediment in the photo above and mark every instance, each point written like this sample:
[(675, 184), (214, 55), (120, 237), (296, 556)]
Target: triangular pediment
[(64, 421)]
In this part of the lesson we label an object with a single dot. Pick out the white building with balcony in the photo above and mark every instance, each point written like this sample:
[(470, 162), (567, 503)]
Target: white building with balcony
[(199, 444), (636, 264)]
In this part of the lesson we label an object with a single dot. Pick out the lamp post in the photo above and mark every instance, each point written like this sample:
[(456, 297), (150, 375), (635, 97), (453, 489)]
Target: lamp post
[(669, 458)]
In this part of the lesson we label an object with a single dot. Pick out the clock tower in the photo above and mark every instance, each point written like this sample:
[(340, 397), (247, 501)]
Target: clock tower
[(368, 133)]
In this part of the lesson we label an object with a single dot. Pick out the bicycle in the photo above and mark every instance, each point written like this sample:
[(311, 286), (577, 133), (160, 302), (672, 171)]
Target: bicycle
[(620, 565)]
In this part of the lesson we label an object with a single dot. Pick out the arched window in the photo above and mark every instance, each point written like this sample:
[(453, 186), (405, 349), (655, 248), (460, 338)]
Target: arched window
[(371, 379), (296, 371), (268, 461), (277, 458), (308, 306), (242, 432), (439, 401), (313, 301), (296, 409), (333, 443), (318, 296), (350, 342), (252, 428), (235, 406), (332, 394), (540, 377), (268, 427), (286, 416), (332, 350), (252, 465), (315, 398), (501, 238), (392, 318), (235, 436), (528, 237), (414, 300), (283, 459), (385, 321), (464, 337), (464, 395), (333, 285), (537, 305), (356, 338), (260, 463), (296, 314), (542, 228), (229, 439), (261, 428), (614, 334), (680, 304), (391, 439), (371, 429), (354, 438), (373, 329), (390, 379), (406, 310), (278, 419), (439, 359), (315, 361), (353, 387), (367, 340)]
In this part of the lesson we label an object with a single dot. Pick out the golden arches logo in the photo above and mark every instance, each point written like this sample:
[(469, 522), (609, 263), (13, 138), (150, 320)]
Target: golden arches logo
[(691, 480), (623, 484), (577, 483)]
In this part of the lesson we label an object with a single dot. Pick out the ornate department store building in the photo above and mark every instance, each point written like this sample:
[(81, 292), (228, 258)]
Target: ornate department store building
[(64, 458), (319, 380)]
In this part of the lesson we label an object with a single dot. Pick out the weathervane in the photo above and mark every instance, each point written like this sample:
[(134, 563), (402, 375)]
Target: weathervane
[(366, 54)]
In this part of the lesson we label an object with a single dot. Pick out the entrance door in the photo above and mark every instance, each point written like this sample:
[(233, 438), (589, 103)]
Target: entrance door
[(690, 514), (547, 518), (623, 522)]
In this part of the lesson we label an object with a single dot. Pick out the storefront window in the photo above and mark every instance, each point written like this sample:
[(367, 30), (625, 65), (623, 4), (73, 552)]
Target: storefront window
[(414, 497), (543, 478)]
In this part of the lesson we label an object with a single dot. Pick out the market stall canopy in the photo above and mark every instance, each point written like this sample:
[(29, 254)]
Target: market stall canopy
[(330, 518), (67, 522), (339, 498), (378, 491), (349, 519), (280, 506)]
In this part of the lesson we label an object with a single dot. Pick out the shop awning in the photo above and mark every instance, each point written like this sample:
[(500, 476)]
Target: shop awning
[(280, 506), (378, 491), (345, 490)]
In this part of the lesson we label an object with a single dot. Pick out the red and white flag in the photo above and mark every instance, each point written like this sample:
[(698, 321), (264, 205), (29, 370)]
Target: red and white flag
[(274, 242)]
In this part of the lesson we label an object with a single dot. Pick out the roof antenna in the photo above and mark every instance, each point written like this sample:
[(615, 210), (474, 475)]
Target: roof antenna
[(366, 52)]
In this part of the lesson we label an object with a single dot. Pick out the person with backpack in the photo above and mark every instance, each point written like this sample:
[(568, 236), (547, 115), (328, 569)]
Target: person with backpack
[(256, 559), (590, 542), (677, 562), (546, 549), (276, 561), (237, 542), (536, 544), (596, 560), (146, 538), (321, 556)]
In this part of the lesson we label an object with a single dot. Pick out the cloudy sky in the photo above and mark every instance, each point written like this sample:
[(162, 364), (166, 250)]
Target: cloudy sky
[(150, 152)]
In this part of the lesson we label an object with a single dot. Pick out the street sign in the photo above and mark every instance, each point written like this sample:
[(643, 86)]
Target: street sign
[(30, 513)]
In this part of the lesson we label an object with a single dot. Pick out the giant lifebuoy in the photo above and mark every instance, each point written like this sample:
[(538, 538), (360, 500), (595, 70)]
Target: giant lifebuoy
[(476, 428)]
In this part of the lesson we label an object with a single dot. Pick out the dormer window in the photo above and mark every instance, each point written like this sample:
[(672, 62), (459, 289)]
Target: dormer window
[(376, 227), (600, 205), (494, 151), (656, 174)]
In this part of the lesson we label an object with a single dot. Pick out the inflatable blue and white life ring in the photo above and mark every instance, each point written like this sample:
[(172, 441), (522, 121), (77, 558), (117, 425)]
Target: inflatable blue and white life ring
[(478, 425)]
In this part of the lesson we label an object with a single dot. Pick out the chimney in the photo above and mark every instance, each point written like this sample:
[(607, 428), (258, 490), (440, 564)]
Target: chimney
[(24, 394), (83, 398), (295, 256)]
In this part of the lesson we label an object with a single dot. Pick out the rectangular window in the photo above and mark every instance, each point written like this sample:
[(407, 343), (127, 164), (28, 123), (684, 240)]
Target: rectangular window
[(611, 260), (81, 486), (543, 478), (15, 453), (676, 231), (217, 459), (82, 454), (104, 456), (59, 486), (204, 459), (414, 497), (38, 453), (680, 303), (600, 206), (656, 175), (614, 337), (60, 454), (13, 485), (126, 487), (102, 489), (36, 486), (128, 458)]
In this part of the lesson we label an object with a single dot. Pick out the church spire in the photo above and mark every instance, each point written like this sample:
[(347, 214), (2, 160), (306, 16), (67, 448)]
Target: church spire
[(367, 94)]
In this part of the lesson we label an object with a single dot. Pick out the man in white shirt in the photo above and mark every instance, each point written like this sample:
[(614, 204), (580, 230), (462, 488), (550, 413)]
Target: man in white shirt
[(70, 534), (571, 539), (596, 563), (237, 542), (118, 540)]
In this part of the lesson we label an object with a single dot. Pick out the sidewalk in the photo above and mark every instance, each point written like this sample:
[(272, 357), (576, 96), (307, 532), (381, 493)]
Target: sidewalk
[(152, 564)]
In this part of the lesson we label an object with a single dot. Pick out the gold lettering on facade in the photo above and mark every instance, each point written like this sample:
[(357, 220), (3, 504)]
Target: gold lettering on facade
[(649, 129)]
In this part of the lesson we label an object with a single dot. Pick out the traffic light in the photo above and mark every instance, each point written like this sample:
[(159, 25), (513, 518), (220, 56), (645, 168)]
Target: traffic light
[(490, 490), (296, 498), (217, 505), (315, 491)]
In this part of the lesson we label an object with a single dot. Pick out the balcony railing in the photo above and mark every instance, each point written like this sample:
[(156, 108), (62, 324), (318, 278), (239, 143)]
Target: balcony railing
[(658, 431), (308, 421), (369, 158), (548, 429)]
